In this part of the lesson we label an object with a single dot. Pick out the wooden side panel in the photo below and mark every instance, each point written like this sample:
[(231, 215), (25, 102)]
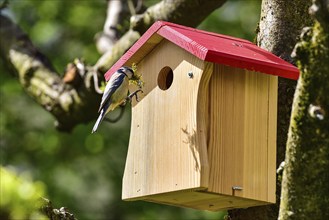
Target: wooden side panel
[(241, 140), (166, 149), (255, 163), (226, 136), (272, 126)]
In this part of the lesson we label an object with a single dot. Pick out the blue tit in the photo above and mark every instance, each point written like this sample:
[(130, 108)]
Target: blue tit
[(115, 93)]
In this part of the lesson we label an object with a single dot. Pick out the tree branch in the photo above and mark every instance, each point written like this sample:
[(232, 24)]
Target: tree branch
[(73, 99), (68, 103), (117, 22), (52, 213)]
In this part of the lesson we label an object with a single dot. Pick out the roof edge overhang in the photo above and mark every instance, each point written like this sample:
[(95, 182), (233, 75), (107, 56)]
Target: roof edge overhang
[(164, 30)]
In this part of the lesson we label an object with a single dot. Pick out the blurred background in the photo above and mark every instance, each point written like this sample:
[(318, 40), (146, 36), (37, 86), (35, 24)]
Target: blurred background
[(80, 171)]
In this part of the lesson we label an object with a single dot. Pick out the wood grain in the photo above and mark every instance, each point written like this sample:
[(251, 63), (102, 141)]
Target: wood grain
[(192, 143), (272, 133), (166, 150), (242, 133)]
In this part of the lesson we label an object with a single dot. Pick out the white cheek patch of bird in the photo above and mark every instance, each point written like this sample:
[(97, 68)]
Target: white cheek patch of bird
[(116, 92)]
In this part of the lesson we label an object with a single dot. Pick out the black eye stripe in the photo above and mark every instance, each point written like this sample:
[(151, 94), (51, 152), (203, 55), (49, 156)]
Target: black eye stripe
[(128, 68), (124, 70)]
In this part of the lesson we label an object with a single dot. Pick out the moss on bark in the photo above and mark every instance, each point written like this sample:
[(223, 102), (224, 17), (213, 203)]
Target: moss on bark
[(305, 188)]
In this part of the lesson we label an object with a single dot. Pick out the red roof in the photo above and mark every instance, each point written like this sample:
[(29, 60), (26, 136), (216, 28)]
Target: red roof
[(210, 47)]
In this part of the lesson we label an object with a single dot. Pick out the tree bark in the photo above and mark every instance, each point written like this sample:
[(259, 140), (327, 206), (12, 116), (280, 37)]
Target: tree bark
[(117, 12), (305, 188), (280, 25), (117, 22), (74, 99), (71, 102)]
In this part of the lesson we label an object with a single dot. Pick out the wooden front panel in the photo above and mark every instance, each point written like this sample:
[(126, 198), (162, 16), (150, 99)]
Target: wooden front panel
[(167, 148), (242, 148)]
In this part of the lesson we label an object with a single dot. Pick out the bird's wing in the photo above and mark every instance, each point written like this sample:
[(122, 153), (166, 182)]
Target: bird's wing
[(114, 83)]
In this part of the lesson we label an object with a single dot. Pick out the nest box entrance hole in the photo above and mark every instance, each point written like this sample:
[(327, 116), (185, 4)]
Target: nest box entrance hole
[(165, 78)]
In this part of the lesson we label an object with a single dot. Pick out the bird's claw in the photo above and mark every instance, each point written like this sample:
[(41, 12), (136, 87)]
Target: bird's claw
[(130, 97)]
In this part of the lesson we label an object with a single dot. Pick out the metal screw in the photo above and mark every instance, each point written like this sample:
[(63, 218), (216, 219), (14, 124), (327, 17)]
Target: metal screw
[(190, 74), (237, 187)]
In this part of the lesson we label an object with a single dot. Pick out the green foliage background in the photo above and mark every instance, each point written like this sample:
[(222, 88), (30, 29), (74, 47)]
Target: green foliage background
[(82, 171)]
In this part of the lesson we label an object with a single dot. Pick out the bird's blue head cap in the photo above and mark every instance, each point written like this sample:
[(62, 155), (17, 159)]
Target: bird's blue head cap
[(129, 72)]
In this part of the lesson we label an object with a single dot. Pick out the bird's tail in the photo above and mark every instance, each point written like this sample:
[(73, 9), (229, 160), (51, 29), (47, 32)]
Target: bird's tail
[(99, 120)]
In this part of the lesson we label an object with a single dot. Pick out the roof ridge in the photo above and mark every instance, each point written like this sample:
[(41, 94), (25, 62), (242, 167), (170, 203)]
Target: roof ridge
[(165, 23), (208, 46)]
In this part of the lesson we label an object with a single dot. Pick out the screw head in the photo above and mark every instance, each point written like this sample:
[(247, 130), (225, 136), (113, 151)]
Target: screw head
[(190, 74)]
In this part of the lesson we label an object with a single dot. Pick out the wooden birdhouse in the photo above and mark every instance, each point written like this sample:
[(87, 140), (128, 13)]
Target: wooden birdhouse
[(203, 134)]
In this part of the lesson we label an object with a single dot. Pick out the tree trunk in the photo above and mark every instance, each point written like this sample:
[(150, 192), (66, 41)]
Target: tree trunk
[(305, 185), (280, 25)]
